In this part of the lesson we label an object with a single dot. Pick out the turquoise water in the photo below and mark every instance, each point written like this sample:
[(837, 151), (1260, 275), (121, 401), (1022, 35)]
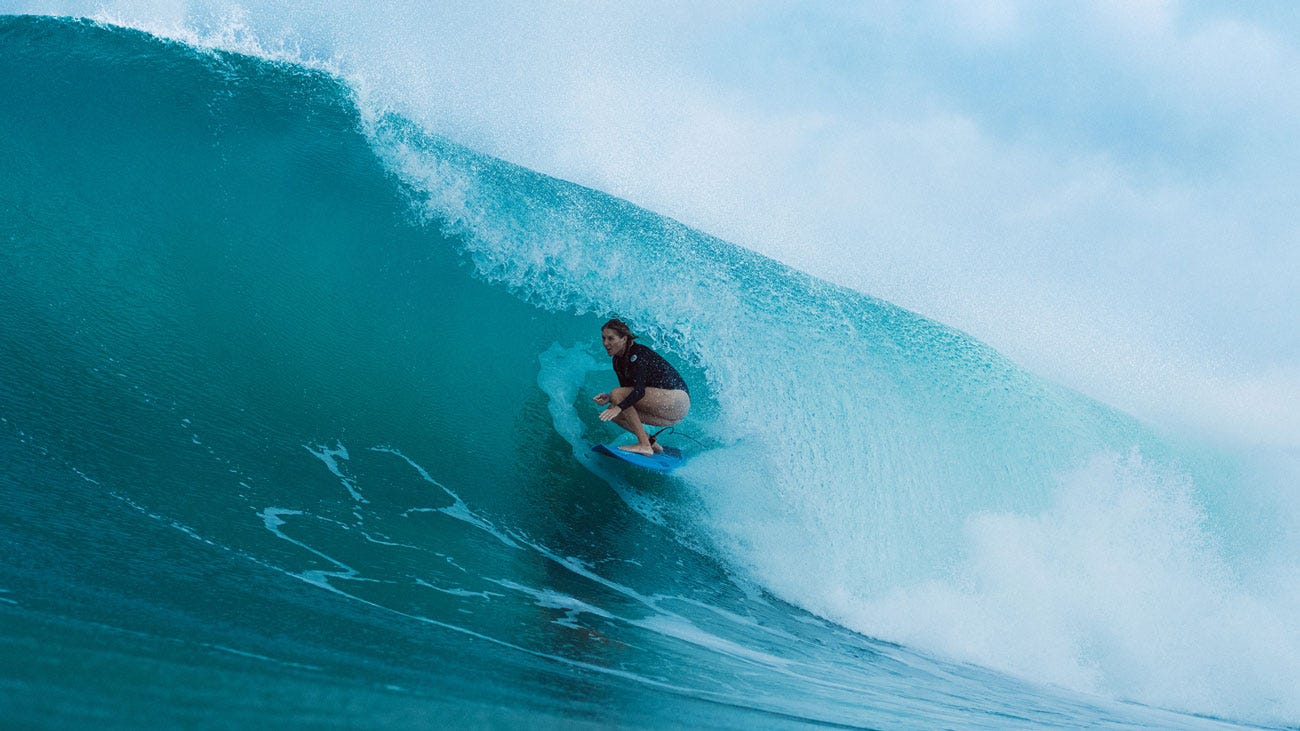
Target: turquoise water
[(295, 414)]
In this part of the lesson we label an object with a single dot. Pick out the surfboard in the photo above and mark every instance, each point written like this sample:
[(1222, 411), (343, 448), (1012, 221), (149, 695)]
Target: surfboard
[(666, 461)]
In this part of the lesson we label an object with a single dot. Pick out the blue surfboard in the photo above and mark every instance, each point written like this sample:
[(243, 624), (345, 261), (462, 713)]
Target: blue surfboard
[(666, 461)]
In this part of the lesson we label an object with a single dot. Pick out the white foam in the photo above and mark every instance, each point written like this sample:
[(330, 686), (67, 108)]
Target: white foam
[(331, 458), (1119, 588), (458, 509)]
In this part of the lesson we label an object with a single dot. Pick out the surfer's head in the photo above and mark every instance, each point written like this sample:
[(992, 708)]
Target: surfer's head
[(616, 336)]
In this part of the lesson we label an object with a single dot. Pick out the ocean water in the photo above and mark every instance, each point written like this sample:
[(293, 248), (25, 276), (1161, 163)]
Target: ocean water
[(295, 416)]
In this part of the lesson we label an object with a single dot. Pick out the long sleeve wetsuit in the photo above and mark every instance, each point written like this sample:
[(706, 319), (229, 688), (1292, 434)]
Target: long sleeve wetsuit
[(639, 367)]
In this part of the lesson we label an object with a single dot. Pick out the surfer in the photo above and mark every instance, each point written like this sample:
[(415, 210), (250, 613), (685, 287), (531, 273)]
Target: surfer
[(650, 390)]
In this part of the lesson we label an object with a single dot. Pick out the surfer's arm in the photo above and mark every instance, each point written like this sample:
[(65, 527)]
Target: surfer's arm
[(640, 372)]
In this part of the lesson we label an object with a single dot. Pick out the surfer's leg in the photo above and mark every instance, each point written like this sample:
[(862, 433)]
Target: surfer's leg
[(661, 407), (630, 419)]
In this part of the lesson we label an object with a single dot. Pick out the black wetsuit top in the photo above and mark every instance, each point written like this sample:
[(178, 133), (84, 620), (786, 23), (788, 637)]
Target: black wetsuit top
[(639, 367)]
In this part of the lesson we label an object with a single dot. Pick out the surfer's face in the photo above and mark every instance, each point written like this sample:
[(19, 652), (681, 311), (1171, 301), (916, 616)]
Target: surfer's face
[(613, 342)]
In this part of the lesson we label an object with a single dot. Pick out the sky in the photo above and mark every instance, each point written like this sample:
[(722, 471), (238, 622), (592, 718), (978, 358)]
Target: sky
[(1104, 191)]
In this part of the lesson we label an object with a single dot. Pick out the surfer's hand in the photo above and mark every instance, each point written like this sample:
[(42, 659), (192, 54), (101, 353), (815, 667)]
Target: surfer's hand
[(610, 413), (601, 398)]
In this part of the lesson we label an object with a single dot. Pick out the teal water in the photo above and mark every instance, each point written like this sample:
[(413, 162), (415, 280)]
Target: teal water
[(294, 419)]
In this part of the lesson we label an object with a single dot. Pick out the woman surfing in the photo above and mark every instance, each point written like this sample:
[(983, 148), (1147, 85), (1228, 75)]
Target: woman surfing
[(650, 390)]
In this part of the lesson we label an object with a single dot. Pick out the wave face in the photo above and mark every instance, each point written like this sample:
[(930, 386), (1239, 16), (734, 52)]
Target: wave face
[(295, 412)]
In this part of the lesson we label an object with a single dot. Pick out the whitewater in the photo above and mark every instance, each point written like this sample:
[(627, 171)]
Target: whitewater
[(300, 330)]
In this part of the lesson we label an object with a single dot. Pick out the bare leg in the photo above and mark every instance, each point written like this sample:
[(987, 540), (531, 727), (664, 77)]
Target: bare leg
[(629, 419), (657, 408)]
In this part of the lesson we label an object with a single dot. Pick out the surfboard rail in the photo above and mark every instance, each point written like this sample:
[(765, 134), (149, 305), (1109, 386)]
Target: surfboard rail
[(667, 461)]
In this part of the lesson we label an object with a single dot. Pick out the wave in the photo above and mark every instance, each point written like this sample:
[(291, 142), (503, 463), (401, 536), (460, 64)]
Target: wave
[(324, 344)]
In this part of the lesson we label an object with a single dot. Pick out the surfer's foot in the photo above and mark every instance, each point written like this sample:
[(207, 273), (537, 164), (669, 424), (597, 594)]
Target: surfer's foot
[(644, 449), (655, 446)]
